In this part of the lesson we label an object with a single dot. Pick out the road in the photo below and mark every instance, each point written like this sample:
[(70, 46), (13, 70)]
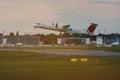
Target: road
[(86, 53)]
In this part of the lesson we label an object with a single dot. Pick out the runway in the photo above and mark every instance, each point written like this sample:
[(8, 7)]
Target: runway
[(86, 53)]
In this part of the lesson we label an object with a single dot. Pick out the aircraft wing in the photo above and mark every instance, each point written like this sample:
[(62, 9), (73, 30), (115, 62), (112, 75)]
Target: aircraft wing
[(42, 26)]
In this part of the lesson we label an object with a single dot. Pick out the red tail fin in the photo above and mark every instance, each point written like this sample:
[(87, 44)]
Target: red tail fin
[(91, 28)]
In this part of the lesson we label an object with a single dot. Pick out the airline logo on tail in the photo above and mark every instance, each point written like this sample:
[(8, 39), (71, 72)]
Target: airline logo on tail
[(92, 28)]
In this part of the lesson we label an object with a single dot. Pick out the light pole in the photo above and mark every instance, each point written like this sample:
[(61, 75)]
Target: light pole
[(99, 31), (18, 36), (25, 39), (104, 31), (3, 33)]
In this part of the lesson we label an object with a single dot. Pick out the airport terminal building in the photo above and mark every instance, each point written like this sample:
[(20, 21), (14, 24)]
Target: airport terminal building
[(19, 40), (32, 40)]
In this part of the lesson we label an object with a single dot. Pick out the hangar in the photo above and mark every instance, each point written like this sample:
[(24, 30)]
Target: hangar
[(108, 39), (76, 41), (19, 40)]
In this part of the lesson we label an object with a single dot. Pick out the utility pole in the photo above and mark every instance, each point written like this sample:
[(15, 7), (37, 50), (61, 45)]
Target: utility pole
[(17, 34)]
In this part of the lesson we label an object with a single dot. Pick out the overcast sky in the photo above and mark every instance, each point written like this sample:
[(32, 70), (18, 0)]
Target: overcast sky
[(20, 15)]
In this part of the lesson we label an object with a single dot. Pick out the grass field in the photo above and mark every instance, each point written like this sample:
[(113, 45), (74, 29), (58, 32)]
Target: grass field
[(37, 66)]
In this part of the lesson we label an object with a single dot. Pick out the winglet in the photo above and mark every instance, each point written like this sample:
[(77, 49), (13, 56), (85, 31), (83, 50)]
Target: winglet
[(92, 28)]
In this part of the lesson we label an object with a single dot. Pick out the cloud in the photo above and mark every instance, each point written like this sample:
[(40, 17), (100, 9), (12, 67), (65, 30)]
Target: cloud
[(100, 11), (114, 2), (73, 12), (21, 11)]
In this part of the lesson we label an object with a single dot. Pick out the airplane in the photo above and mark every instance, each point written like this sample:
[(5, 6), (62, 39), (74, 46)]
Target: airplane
[(67, 29)]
